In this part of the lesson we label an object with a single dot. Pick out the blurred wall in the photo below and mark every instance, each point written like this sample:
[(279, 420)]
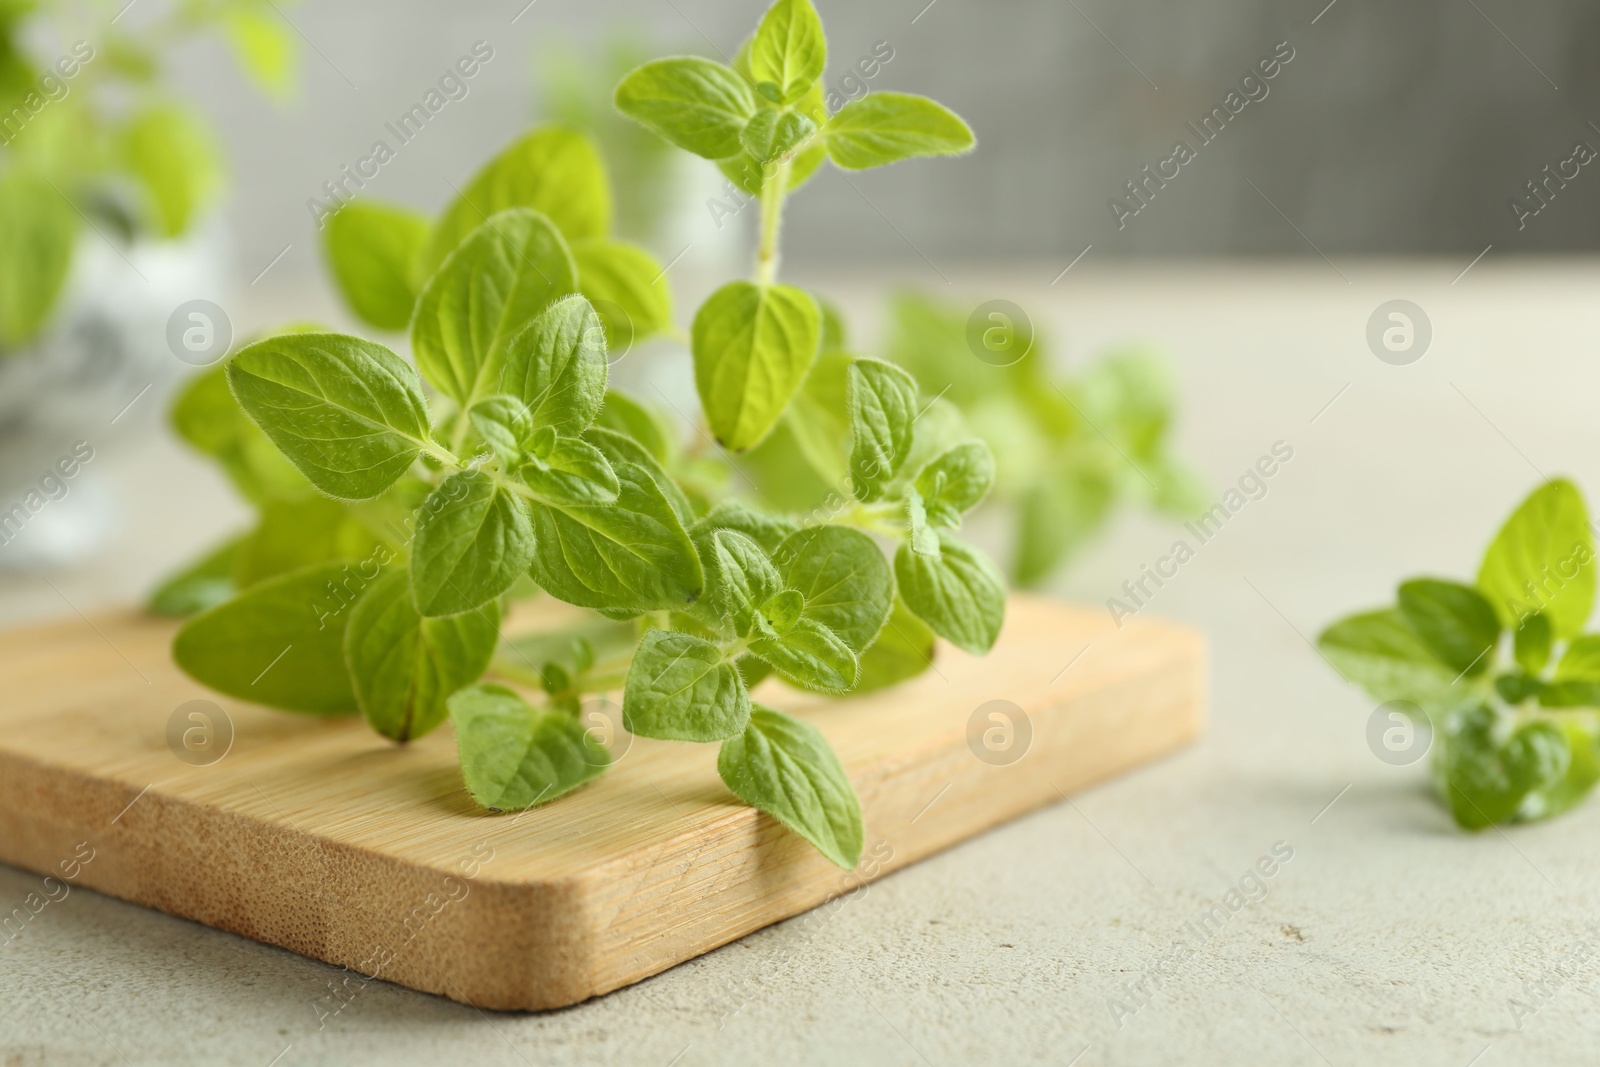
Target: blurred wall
[(1394, 128)]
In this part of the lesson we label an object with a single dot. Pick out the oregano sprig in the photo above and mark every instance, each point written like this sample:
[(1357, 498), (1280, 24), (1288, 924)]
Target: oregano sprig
[(407, 505), (1500, 666)]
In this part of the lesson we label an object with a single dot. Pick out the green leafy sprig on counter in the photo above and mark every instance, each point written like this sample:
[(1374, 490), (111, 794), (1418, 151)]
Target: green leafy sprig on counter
[(1501, 667), (403, 508)]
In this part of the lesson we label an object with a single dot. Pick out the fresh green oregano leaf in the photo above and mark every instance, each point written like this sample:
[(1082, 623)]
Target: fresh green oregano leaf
[(348, 413), (753, 345), (681, 688), (403, 666), (883, 415), (473, 541), (885, 127), (505, 273), (279, 643), (514, 756), (785, 768), (371, 248), (958, 592), (1543, 560)]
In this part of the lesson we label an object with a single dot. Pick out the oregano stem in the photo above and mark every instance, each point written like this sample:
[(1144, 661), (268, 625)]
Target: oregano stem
[(772, 194)]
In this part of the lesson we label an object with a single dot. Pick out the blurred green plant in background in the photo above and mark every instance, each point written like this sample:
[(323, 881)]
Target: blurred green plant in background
[(576, 91), (90, 135)]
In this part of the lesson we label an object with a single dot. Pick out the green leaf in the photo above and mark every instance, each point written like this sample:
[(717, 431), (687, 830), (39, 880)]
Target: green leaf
[(558, 366), (203, 584), (696, 104), (680, 688), (473, 540), (959, 592), (739, 577), (1054, 517), (38, 227), (206, 415), (620, 448), (264, 50), (847, 584), (505, 424), (785, 768), (1486, 782), (348, 413), (1453, 621), (627, 415), (1543, 560), (629, 288), (818, 418), (633, 554), (298, 532), (766, 530), (805, 652), (370, 247), (1581, 660), (507, 272), (280, 643), (956, 482), (904, 649), (171, 155), (883, 414), (1532, 643), (555, 172), (921, 536), (567, 470), (404, 667), (771, 134), (753, 345), (789, 50), (1379, 651), (514, 756), (885, 127), (1582, 734)]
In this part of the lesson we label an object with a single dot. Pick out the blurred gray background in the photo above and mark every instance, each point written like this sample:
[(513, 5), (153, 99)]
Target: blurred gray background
[(1396, 128)]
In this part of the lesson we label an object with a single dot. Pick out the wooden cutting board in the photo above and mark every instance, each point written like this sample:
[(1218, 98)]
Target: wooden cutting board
[(324, 838)]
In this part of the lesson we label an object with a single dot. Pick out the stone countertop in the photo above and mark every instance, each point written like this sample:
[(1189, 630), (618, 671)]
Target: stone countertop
[(1073, 935)]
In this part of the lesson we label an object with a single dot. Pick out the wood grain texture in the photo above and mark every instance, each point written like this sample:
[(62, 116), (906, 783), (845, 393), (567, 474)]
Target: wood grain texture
[(321, 837)]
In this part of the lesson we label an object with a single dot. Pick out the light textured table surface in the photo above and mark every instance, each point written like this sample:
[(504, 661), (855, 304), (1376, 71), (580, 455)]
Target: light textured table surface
[(1389, 937)]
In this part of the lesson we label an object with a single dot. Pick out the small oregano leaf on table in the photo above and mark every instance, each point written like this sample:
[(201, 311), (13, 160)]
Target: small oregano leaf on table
[(404, 666), (514, 756), (505, 273), (694, 103), (279, 643), (554, 171), (473, 541), (348, 413), (1485, 782), (886, 127), (1454, 622), (1543, 560), (681, 688), (785, 768), (753, 345), (883, 415), (958, 592), (1379, 651), (371, 248)]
